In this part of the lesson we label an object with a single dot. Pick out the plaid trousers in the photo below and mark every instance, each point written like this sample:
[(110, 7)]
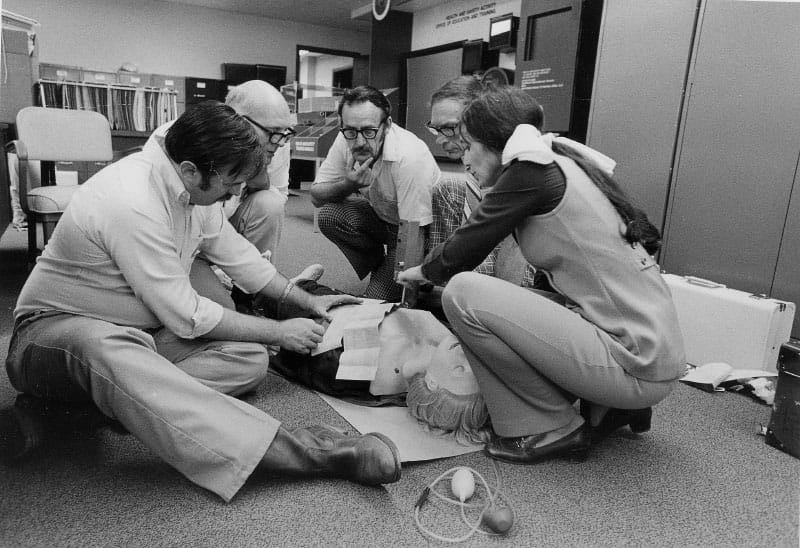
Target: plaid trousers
[(368, 242), (453, 200)]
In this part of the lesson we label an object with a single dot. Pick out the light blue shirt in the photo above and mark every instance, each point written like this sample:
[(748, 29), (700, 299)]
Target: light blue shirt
[(123, 249)]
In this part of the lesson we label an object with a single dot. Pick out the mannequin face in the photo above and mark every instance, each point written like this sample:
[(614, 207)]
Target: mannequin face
[(450, 370), (446, 395)]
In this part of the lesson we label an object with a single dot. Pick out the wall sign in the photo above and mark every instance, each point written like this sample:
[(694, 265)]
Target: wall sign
[(457, 20)]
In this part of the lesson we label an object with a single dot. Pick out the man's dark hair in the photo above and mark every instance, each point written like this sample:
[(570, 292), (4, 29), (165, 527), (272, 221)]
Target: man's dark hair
[(364, 94), (213, 136)]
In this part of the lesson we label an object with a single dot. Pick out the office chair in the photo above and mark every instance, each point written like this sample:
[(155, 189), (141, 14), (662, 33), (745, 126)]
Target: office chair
[(46, 136)]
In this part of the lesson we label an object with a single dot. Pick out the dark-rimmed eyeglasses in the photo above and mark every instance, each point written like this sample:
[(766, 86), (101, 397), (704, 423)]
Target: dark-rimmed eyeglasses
[(275, 137), (447, 131), (351, 133), (226, 184)]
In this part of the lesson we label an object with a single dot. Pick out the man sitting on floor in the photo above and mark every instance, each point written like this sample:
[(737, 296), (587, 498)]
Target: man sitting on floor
[(375, 175), (109, 317)]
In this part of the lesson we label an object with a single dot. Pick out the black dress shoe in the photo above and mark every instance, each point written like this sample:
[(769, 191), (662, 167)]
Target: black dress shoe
[(639, 420), (32, 422), (22, 431), (523, 450)]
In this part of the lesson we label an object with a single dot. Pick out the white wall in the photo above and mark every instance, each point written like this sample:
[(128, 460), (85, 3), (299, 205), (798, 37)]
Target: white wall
[(456, 21), (326, 64), (169, 38)]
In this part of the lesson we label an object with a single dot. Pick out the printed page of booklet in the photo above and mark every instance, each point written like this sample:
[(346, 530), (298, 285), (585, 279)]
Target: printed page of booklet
[(346, 315)]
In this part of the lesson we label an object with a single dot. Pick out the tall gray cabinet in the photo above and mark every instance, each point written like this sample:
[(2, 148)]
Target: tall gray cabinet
[(642, 58), (718, 155)]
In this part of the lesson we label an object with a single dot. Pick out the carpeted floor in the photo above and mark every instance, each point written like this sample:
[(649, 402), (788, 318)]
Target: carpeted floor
[(701, 477)]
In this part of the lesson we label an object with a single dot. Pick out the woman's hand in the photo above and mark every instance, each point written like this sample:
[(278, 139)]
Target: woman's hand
[(411, 276), (320, 304)]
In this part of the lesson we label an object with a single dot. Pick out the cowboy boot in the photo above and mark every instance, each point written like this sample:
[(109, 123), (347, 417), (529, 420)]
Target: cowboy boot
[(321, 451)]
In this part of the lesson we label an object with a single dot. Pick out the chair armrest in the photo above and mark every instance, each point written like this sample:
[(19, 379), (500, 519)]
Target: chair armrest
[(19, 146), (22, 175)]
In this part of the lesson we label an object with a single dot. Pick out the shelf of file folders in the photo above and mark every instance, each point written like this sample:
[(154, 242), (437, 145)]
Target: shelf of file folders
[(128, 108)]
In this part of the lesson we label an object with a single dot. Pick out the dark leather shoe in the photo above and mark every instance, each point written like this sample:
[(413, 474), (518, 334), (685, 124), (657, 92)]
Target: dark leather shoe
[(639, 420), (21, 433), (369, 459), (32, 422), (523, 450)]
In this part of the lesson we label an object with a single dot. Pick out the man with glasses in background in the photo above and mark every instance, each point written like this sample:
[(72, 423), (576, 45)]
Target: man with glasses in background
[(454, 198), (258, 213), (375, 175)]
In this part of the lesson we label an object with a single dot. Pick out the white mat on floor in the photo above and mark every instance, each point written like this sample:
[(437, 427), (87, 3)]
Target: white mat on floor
[(413, 442)]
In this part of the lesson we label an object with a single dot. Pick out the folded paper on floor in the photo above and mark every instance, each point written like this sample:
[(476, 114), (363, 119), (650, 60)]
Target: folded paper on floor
[(413, 442)]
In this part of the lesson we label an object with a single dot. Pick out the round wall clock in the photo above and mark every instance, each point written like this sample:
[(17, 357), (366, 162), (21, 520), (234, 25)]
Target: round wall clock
[(380, 8)]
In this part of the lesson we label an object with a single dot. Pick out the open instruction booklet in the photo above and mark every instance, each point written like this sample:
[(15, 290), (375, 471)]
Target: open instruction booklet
[(713, 377), (355, 328)]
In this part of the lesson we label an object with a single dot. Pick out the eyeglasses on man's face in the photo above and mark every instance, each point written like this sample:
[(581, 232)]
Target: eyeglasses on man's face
[(447, 131), (351, 133), (227, 183), (274, 137), (280, 137)]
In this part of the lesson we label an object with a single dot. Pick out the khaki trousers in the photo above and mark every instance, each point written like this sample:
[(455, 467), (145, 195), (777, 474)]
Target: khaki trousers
[(175, 395), (533, 356)]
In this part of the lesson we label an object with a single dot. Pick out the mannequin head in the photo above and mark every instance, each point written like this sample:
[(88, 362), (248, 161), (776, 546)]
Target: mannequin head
[(445, 395)]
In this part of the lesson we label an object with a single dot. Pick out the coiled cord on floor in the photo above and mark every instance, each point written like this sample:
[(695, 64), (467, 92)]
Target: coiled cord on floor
[(490, 504)]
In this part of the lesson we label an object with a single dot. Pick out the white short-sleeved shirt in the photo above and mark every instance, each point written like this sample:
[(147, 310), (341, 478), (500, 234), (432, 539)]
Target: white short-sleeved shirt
[(402, 177)]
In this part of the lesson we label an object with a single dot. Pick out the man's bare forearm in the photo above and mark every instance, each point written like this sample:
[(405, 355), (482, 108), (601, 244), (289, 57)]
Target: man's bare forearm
[(334, 191)]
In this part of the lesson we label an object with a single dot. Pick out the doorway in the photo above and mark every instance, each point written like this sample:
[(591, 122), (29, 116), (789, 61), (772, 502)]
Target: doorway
[(322, 72)]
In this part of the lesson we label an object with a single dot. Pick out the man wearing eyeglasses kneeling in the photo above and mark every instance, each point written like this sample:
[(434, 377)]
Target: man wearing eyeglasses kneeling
[(258, 212), (375, 175), (455, 197)]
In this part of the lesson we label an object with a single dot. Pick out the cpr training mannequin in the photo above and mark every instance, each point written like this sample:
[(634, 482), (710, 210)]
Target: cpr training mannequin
[(444, 395), (420, 362)]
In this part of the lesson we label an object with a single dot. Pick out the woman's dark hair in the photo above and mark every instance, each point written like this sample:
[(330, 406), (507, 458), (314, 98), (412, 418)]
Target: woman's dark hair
[(213, 136), (364, 94), (491, 120), (462, 88)]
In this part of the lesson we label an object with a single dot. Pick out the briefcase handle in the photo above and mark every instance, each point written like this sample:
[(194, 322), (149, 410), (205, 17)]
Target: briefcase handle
[(703, 282)]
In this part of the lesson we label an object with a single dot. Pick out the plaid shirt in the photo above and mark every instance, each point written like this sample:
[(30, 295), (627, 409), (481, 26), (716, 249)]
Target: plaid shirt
[(453, 200)]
